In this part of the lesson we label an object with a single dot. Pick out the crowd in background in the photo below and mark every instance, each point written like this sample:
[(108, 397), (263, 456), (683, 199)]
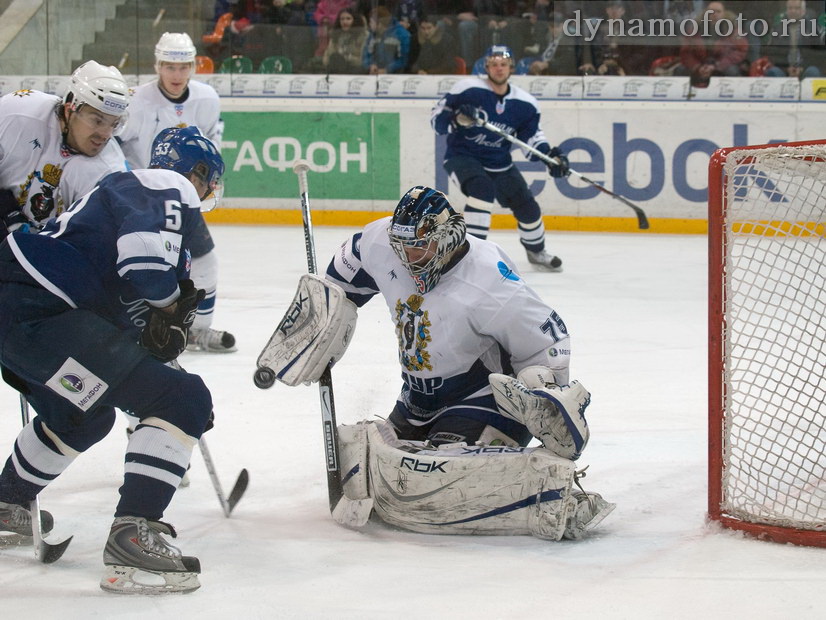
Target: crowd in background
[(547, 37)]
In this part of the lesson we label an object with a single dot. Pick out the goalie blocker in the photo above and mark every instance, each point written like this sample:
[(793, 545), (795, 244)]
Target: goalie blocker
[(315, 332), (460, 489)]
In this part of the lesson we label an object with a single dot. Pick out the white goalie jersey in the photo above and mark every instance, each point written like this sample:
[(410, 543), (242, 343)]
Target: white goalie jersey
[(480, 318)]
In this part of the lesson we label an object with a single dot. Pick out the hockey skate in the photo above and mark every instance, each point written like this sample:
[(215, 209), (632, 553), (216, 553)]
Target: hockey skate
[(590, 510), (139, 560), (210, 341), (16, 523), (544, 261)]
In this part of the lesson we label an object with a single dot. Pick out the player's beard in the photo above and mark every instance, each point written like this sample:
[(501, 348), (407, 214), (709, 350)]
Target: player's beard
[(500, 82)]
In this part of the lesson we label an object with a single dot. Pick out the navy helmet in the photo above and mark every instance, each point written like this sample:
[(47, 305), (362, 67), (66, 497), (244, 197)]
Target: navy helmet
[(425, 221), (502, 51), (186, 151)]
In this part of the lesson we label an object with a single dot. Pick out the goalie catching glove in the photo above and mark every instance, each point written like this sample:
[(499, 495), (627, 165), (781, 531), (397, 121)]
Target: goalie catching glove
[(314, 332), (166, 332), (553, 414)]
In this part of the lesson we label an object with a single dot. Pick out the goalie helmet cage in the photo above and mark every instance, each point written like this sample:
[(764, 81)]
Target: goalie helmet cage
[(767, 341)]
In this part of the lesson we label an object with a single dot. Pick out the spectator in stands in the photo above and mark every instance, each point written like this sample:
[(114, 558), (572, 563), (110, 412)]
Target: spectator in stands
[(701, 74), (610, 53), (255, 41), (728, 53), (795, 43), (459, 19), (558, 54), (284, 12), (326, 12), (387, 49), (290, 35), (497, 26), (409, 13), (437, 50), (347, 39)]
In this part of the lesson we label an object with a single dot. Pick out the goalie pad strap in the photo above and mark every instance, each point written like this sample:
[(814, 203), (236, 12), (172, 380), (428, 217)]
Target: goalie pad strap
[(459, 489), (314, 332)]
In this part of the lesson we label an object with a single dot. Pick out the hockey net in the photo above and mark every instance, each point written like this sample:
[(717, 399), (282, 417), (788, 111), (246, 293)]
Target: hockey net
[(767, 341)]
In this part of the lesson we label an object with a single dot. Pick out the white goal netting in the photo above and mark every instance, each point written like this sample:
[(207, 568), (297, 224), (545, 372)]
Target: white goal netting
[(774, 336)]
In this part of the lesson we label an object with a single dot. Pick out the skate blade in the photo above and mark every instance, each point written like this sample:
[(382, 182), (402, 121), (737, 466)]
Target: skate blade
[(132, 580), (607, 509)]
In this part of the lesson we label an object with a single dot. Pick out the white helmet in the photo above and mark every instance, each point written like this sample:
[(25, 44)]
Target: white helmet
[(101, 87), (175, 47)]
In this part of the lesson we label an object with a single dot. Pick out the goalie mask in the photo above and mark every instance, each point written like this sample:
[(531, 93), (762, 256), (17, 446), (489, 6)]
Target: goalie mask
[(424, 232), (187, 152)]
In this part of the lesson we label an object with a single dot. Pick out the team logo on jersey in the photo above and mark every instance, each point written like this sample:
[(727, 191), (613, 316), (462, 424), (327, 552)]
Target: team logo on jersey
[(500, 107), (37, 193), (412, 330), (23, 92), (35, 144), (179, 110), (507, 272)]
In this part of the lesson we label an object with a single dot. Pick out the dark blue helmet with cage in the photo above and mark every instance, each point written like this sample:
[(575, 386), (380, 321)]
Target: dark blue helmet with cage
[(424, 232), (187, 152)]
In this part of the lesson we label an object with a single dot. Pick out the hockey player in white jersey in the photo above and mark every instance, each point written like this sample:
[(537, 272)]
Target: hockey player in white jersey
[(176, 100), (92, 311), (479, 161), (53, 151), (485, 365)]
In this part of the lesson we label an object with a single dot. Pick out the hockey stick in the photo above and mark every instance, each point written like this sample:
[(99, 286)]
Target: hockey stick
[(347, 512), (43, 551), (227, 503), (482, 121)]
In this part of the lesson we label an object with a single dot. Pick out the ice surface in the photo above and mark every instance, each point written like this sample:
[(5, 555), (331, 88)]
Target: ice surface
[(636, 307)]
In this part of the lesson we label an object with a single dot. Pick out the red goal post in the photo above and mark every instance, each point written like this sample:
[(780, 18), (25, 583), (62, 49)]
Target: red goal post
[(767, 341)]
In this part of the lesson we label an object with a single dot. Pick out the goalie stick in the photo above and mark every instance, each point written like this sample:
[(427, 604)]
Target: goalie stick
[(345, 511), (482, 121), (44, 551)]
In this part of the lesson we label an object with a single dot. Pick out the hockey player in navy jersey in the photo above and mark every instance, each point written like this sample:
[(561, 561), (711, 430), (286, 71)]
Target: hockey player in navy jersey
[(174, 99), (479, 161), (485, 368), (91, 311)]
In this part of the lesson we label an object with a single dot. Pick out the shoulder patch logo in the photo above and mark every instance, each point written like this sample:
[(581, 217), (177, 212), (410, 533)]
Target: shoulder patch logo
[(507, 272)]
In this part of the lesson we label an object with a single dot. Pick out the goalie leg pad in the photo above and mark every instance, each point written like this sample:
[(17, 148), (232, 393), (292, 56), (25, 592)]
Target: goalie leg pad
[(555, 415), (314, 332), (459, 489)]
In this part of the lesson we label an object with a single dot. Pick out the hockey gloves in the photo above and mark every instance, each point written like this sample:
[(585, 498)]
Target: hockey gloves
[(562, 169), (165, 334), (466, 115)]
